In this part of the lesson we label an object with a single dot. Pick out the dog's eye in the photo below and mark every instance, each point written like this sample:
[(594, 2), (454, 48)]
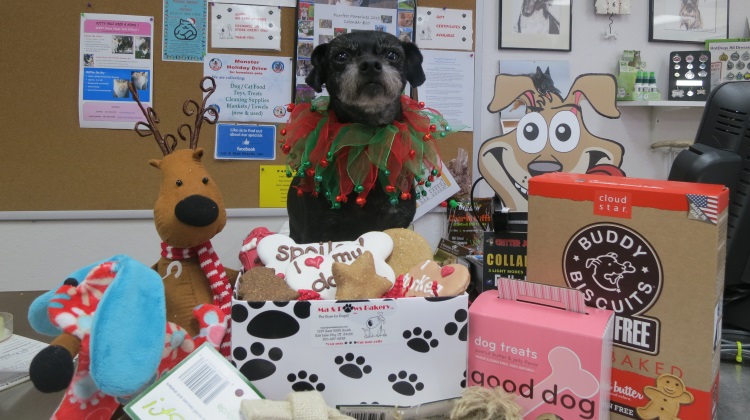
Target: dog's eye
[(531, 134), (341, 57), (392, 55), (564, 131)]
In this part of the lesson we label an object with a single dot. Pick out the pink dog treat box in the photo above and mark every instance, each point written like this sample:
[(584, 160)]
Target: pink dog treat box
[(543, 344)]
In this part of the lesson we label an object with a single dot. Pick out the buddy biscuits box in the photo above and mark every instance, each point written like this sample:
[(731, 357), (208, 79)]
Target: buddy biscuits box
[(654, 253), (543, 344), (404, 352)]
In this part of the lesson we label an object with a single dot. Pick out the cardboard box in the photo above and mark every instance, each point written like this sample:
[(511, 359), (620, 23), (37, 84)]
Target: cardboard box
[(556, 359), (402, 352), (654, 252)]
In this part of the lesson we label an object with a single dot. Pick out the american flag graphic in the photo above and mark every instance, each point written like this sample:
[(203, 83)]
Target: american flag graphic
[(709, 206)]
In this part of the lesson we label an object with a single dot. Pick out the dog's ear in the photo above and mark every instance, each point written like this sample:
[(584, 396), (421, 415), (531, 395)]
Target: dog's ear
[(317, 77), (413, 64)]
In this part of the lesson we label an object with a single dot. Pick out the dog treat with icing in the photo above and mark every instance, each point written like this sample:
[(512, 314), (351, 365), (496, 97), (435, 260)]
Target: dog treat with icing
[(313, 271), (277, 251), (355, 157), (261, 284), (429, 279), (359, 280), (409, 249)]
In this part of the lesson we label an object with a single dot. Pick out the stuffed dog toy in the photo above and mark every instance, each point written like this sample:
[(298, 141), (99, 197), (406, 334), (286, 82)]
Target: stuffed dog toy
[(355, 155), (113, 315), (550, 137)]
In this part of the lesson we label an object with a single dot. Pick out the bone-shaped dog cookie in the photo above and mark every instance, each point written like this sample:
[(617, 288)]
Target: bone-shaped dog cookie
[(277, 251), (313, 271), (567, 374)]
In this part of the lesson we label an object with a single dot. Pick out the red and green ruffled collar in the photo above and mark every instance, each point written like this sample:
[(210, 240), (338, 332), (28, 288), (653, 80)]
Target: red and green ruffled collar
[(336, 159)]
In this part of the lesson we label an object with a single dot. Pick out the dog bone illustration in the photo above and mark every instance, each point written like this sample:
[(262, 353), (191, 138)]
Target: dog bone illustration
[(567, 374), (277, 251)]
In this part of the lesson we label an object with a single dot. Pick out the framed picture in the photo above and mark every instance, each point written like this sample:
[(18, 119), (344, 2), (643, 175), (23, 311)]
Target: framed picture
[(535, 24), (694, 21)]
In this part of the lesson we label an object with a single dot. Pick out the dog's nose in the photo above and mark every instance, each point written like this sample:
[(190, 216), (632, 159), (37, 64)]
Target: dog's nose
[(543, 167), (370, 67)]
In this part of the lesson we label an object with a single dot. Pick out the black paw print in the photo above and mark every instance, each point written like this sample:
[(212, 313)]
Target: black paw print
[(463, 381), (403, 385), (271, 323), (417, 343), (305, 383), (256, 369), (451, 328), (347, 308), (353, 367)]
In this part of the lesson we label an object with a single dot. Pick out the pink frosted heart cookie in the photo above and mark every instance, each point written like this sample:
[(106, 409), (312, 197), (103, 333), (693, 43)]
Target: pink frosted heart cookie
[(429, 279)]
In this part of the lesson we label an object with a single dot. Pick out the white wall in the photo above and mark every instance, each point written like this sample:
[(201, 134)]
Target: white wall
[(593, 54), (38, 250)]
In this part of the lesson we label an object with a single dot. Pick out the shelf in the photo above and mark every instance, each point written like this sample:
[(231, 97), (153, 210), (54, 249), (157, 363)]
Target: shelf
[(675, 104)]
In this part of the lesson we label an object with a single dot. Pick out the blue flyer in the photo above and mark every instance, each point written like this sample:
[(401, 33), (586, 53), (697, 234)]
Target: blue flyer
[(245, 142), (185, 29)]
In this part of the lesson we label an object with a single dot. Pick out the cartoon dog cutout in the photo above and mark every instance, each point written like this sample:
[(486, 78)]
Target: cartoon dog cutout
[(610, 269), (375, 326), (666, 399), (551, 136)]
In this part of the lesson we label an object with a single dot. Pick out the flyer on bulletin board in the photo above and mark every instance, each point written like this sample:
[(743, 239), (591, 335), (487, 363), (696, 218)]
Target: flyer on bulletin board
[(115, 50), (184, 33), (444, 29), (250, 88), (244, 26)]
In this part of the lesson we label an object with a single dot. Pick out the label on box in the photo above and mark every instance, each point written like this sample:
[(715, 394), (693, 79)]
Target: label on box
[(504, 256), (203, 386), (354, 323)]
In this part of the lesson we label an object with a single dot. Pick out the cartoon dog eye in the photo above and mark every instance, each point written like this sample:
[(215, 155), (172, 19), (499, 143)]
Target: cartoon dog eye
[(565, 131), (531, 134)]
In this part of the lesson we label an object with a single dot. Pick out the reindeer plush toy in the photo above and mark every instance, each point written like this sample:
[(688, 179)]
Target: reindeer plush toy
[(188, 213)]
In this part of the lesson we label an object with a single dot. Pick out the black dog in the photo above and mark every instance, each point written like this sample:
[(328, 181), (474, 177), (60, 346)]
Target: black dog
[(365, 74)]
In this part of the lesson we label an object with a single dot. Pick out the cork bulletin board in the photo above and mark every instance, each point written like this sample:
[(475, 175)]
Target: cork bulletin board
[(50, 164)]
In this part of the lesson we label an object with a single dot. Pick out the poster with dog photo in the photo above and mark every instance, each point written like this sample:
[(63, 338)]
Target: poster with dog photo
[(688, 20), (535, 25), (244, 26), (115, 54)]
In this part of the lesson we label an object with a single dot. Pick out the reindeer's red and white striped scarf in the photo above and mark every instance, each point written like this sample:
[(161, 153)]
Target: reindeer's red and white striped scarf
[(217, 280)]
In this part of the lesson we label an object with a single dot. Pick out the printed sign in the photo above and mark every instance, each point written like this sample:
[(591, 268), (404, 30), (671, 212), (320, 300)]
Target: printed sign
[(184, 33), (239, 26), (444, 29), (250, 88), (249, 142), (355, 323), (115, 51)]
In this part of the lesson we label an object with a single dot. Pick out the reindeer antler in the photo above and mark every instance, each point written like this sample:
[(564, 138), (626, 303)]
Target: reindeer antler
[(209, 115), (150, 129)]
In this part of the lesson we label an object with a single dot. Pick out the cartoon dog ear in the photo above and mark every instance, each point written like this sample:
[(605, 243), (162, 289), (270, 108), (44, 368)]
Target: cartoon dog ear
[(600, 90), (317, 77), (413, 64), (509, 88), (38, 315), (128, 330), (592, 261)]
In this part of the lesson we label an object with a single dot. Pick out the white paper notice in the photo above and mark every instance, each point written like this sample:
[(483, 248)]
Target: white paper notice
[(240, 26), (250, 88), (115, 50), (446, 29), (449, 88), (279, 3), (15, 357), (441, 188)]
